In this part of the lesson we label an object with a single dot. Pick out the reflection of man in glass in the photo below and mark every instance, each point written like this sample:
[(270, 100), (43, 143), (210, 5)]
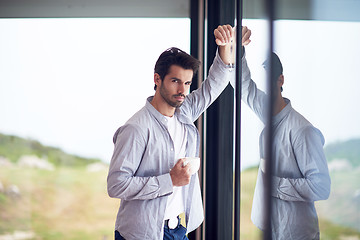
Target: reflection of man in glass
[(300, 174), (147, 170)]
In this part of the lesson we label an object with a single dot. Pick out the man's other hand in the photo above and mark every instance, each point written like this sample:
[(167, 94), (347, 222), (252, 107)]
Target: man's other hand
[(246, 33), (180, 175)]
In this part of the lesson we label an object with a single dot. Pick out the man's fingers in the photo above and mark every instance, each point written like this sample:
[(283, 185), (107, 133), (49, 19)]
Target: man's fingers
[(246, 33), (246, 42), (218, 38), (223, 34), (244, 30), (220, 41), (229, 32), (222, 31), (180, 162)]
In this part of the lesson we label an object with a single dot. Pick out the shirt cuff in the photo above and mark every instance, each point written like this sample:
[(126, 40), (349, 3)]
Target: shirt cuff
[(165, 183), (228, 67), (275, 186)]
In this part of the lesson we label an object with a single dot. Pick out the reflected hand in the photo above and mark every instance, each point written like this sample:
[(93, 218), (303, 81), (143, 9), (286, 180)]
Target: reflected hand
[(245, 34)]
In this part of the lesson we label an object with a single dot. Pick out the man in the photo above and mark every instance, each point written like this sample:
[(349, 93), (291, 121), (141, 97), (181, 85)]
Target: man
[(300, 174), (147, 171)]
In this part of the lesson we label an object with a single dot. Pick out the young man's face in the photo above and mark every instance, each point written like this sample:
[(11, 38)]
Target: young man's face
[(176, 85)]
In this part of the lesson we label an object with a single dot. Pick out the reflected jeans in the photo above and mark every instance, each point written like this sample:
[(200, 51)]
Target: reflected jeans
[(178, 233)]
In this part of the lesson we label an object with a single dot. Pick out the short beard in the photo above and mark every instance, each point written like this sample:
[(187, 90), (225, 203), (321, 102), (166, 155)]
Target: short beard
[(174, 104), (163, 94)]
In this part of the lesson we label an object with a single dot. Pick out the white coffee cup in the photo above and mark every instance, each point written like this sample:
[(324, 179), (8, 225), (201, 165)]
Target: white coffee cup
[(194, 163), (262, 165)]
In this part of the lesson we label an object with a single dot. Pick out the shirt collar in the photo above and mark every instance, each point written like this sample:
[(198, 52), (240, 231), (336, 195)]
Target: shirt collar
[(161, 118), (153, 111)]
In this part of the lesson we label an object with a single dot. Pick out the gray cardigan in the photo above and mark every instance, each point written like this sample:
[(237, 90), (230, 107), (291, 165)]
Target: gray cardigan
[(143, 153)]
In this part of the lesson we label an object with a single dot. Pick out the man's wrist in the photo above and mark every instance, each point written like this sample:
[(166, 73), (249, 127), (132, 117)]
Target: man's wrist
[(227, 54)]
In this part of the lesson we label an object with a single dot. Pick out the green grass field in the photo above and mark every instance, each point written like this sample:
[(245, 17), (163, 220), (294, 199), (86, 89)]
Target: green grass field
[(339, 204), (72, 204), (62, 204)]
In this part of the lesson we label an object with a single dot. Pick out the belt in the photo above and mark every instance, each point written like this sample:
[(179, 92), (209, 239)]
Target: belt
[(172, 223)]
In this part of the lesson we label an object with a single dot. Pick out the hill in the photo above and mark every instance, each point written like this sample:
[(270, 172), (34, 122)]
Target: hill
[(349, 150), (13, 147)]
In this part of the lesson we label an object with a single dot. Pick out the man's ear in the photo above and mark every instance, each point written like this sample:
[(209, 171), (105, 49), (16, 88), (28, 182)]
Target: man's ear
[(157, 79), (281, 80)]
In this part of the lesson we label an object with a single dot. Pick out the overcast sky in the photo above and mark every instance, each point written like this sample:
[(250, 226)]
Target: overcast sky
[(71, 83)]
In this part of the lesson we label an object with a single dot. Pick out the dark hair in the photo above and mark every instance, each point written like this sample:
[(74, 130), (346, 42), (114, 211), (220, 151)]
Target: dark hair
[(276, 66), (175, 56)]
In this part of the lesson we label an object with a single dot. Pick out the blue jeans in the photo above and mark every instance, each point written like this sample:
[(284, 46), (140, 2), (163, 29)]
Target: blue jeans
[(178, 233)]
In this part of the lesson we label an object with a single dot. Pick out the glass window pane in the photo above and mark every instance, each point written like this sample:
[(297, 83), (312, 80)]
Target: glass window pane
[(69, 84), (321, 77), (320, 59), (251, 124)]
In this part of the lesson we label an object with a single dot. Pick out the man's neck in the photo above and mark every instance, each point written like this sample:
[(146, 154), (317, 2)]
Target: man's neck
[(162, 106), (280, 104)]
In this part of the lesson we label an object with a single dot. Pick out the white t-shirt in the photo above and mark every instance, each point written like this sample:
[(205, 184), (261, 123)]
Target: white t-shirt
[(175, 202)]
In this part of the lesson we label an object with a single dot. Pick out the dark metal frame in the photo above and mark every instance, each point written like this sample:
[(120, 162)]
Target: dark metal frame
[(221, 182), (219, 138), (271, 85), (237, 164)]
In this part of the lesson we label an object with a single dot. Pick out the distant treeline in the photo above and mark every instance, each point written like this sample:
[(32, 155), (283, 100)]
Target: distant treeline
[(349, 150), (13, 147)]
